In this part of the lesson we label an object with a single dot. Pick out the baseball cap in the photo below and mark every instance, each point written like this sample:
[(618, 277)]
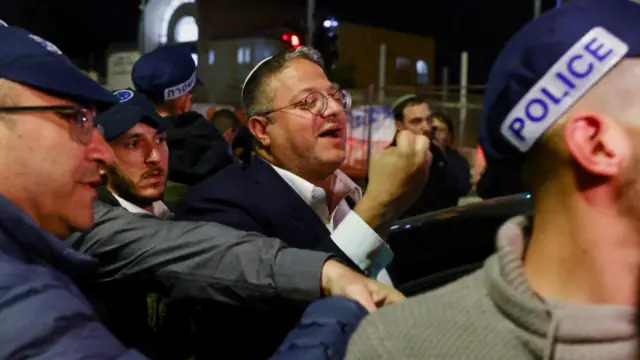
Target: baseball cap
[(132, 109), (165, 73), (548, 66), (32, 61)]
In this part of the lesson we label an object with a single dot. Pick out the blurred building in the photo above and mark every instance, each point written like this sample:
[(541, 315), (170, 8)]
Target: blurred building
[(228, 38)]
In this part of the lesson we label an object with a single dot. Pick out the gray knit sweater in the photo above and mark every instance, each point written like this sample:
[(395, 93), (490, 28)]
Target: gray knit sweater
[(493, 314)]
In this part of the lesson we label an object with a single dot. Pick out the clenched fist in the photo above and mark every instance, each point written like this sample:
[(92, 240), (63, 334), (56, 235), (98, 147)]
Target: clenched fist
[(397, 176)]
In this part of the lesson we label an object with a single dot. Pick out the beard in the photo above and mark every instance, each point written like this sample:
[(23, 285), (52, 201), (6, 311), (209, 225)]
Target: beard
[(125, 188)]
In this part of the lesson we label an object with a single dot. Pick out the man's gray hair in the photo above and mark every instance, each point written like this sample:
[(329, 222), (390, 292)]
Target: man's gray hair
[(255, 99)]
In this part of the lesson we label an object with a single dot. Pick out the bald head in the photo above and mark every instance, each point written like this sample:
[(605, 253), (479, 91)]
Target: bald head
[(596, 135)]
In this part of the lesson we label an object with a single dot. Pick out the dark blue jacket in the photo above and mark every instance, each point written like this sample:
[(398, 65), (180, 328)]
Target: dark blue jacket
[(43, 315), (256, 198), (323, 332)]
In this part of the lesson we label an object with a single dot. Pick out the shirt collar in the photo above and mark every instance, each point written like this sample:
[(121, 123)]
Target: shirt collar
[(160, 210), (342, 186)]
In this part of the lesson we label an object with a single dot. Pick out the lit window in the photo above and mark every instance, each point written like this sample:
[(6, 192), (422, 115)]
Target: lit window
[(186, 30), (422, 70), (244, 55), (212, 57)]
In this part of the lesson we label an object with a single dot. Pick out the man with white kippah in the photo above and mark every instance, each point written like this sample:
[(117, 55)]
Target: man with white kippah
[(561, 106), (294, 189)]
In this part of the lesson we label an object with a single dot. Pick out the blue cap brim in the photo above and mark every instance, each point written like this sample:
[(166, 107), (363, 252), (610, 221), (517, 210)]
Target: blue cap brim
[(54, 74)]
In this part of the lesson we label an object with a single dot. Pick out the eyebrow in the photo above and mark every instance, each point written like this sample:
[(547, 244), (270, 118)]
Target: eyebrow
[(309, 89)]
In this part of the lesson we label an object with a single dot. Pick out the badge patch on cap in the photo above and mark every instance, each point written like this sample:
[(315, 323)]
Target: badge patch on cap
[(47, 45), (124, 95), (577, 71)]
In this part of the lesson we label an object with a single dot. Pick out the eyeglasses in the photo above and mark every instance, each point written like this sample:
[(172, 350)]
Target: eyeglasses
[(317, 102), (80, 117)]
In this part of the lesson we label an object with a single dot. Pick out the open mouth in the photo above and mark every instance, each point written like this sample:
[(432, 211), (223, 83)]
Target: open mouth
[(331, 133)]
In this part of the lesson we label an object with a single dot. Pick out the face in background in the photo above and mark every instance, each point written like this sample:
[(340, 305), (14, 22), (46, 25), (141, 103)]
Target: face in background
[(416, 119), (184, 103), (50, 162), (229, 135), (177, 106), (442, 136), (311, 145), (140, 169)]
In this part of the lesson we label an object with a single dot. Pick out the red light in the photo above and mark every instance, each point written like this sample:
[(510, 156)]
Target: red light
[(285, 37), (295, 41)]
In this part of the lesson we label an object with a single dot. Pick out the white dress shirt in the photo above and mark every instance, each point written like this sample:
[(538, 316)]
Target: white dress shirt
[(352, 235), (160, 210)]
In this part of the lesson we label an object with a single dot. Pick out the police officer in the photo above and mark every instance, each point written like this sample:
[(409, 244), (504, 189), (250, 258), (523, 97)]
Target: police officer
[(49, 155), (167, 76), (562, 102)]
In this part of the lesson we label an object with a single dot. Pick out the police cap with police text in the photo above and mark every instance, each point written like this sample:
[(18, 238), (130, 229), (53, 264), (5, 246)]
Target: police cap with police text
[(165, 73), (550, 64), (32, 61), (132, 109)]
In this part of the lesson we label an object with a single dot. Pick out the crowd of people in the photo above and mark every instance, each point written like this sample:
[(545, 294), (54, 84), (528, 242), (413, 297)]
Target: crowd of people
[(130, 228)]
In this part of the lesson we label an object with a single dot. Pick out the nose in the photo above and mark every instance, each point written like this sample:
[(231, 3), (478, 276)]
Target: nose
[(99, 151), (154, 156), (425, 127), (334, 107)]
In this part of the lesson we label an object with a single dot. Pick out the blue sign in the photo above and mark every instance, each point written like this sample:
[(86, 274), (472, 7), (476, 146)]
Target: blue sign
[(375, 114)]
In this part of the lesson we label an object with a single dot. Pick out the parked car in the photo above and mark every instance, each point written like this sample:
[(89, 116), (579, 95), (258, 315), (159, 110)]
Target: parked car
[(438, 247)]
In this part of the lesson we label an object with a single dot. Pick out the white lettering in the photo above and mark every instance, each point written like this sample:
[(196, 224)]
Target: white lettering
[(588, 60), (180, 89)]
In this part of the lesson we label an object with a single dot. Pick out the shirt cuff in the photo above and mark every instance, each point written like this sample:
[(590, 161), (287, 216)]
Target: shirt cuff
[(362, 244)]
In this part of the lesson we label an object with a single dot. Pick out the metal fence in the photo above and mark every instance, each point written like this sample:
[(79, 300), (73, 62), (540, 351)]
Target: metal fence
[(463, 105)]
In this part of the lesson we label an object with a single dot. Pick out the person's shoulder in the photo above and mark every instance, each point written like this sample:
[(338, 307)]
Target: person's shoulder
[(462, 294), (235, 173), (427, 323), (32, 280)]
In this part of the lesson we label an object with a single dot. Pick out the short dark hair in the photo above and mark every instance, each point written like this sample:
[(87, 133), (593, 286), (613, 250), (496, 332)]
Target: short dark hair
[(404, 102), (446, 119), (254, 99), (225, 119)]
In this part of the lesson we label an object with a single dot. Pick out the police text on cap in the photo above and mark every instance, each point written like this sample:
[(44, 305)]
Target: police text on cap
[(588, 60)]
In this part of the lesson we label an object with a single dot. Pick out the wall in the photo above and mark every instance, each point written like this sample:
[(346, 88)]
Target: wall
[(359, 46), (119, 66), (227, 72), (227, 19)]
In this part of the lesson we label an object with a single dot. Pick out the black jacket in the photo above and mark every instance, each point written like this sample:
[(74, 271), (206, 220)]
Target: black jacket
[(436, 194), (196, 149)]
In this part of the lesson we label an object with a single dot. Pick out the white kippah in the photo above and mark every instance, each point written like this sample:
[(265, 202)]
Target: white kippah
[(402, 99), (251, 74)]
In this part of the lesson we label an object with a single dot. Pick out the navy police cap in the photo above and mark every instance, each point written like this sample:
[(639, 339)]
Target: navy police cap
[(32, 61), (165, 73), (550, 64), (132, 109)]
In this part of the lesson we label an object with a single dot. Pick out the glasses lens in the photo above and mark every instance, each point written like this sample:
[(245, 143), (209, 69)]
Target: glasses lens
[(314, 102), (344, 98), (84, 125)]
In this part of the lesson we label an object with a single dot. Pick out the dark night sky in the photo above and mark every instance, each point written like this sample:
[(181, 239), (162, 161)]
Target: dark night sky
[(84, 27)]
